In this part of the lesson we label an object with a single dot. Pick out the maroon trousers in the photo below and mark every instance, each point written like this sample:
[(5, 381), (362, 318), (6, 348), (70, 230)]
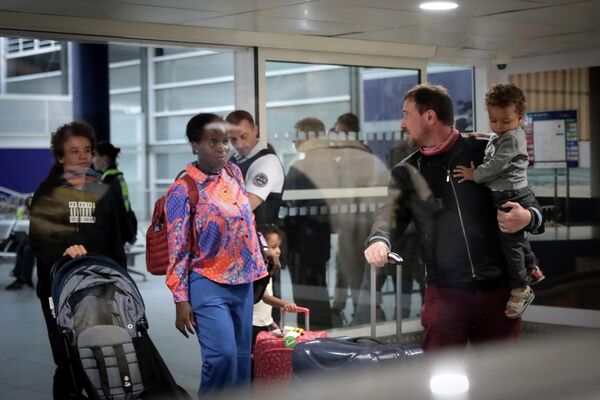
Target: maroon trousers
[(454, 317)]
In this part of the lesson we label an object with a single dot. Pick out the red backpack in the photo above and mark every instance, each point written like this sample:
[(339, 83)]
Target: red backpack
[(157, 249)]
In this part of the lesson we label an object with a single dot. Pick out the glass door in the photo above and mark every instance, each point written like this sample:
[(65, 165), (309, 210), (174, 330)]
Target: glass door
[(335, 125)]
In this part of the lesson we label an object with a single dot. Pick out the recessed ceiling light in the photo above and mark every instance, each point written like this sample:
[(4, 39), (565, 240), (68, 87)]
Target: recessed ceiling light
[(438, 5)]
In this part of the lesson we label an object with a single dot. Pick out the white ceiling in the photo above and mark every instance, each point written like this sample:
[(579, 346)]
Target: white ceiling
[(517, 27)]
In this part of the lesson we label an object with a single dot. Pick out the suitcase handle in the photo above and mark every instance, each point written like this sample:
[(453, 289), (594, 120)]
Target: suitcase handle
[(395, 257), (302, 310), (392, 257)]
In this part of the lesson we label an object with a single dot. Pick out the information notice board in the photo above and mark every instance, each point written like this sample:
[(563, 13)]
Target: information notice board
[(552, 139)]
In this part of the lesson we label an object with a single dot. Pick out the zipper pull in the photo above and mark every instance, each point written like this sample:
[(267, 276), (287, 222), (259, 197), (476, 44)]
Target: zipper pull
[(448, 176)]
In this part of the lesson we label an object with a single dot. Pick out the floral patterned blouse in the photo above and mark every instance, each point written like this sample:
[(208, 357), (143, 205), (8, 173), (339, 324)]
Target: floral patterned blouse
[(228, 246)]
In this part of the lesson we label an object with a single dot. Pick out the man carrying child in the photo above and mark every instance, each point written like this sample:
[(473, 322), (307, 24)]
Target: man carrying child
[(466, 274)]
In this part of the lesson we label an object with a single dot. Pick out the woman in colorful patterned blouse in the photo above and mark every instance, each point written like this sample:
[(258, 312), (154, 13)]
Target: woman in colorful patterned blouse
[(213, 289)]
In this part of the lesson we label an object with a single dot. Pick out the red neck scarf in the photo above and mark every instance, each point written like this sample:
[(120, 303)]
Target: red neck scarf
[(442, 147)]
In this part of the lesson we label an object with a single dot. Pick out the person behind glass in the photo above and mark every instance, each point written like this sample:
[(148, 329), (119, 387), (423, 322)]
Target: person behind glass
[(260, 166), (407, 244), (71, 213), (24, 260), (466, 274), (504, 172), (307, 225), (212, 290), (347, 128), (105, 162), (356, 167), (262, 320)]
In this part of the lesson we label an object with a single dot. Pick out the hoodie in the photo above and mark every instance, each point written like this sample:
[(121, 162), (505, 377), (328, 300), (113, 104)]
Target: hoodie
[(63, 215)]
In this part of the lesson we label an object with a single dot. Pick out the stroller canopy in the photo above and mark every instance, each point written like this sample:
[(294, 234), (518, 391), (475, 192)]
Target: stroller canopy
[(91, 290)]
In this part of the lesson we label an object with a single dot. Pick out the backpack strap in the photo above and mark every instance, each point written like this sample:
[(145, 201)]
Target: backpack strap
[(193, 198), (258, 234), (261, 239), (232, 174)]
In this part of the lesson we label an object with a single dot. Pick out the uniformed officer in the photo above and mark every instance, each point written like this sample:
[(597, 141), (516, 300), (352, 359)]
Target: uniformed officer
[(262, 169)]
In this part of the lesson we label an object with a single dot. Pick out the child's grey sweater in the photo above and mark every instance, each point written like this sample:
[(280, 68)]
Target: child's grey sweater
[(505, 163)]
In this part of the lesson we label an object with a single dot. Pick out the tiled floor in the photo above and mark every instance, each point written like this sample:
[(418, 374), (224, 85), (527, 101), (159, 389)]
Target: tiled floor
[(26, 366)]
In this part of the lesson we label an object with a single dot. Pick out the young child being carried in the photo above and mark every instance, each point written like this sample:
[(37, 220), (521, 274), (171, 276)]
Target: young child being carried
[(261, 318), (504, 171)]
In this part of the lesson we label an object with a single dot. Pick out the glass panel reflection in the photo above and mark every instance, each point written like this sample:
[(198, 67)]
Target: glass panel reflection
[(336, 130)]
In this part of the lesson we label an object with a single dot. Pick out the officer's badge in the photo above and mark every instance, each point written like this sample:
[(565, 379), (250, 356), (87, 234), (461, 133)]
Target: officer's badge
[(261, 180)]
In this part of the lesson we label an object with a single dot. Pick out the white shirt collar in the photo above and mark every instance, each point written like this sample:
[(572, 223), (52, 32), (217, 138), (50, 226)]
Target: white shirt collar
[(259, 146)]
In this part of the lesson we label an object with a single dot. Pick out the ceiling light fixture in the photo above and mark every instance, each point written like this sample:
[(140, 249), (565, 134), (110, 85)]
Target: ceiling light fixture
[(438, 5)]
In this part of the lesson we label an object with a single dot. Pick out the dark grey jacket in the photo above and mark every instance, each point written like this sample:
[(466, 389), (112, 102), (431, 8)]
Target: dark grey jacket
[(457, 223), (505, 162)]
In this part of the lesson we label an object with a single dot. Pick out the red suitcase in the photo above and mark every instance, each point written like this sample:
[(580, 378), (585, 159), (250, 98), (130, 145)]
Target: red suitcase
[(273, 361)]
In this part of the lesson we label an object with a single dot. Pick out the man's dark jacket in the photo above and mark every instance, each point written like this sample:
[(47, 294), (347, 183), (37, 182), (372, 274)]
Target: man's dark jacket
[(457, 223)]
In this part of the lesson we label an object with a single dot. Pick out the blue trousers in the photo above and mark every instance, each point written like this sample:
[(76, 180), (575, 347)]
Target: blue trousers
[(223, 316)]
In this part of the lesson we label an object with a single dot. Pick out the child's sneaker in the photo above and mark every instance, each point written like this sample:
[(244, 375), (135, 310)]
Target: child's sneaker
[(536, 276), (524, 297)]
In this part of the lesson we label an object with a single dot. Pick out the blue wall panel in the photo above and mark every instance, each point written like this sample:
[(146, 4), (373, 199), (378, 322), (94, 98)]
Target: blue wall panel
[(24, 169), (460, 86), (384, 97), (90, 87)]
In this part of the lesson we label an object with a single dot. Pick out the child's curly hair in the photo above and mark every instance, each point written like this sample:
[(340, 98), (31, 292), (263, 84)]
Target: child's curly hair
[(504, 95), (270, 229)]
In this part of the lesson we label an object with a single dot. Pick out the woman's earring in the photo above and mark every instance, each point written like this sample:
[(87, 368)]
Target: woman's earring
[(194, 151)]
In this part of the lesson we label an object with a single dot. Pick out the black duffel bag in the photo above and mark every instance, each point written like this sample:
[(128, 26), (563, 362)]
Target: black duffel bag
[(341, 353)]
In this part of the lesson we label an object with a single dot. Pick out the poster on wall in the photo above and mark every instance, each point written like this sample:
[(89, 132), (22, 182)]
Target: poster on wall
[(552, 139)]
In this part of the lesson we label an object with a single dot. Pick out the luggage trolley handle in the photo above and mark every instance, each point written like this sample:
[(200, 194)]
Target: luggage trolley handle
[(392, 257), (302, 310)]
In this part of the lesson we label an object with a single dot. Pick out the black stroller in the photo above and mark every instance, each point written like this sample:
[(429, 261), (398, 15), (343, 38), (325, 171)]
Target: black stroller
[(101, 316)]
